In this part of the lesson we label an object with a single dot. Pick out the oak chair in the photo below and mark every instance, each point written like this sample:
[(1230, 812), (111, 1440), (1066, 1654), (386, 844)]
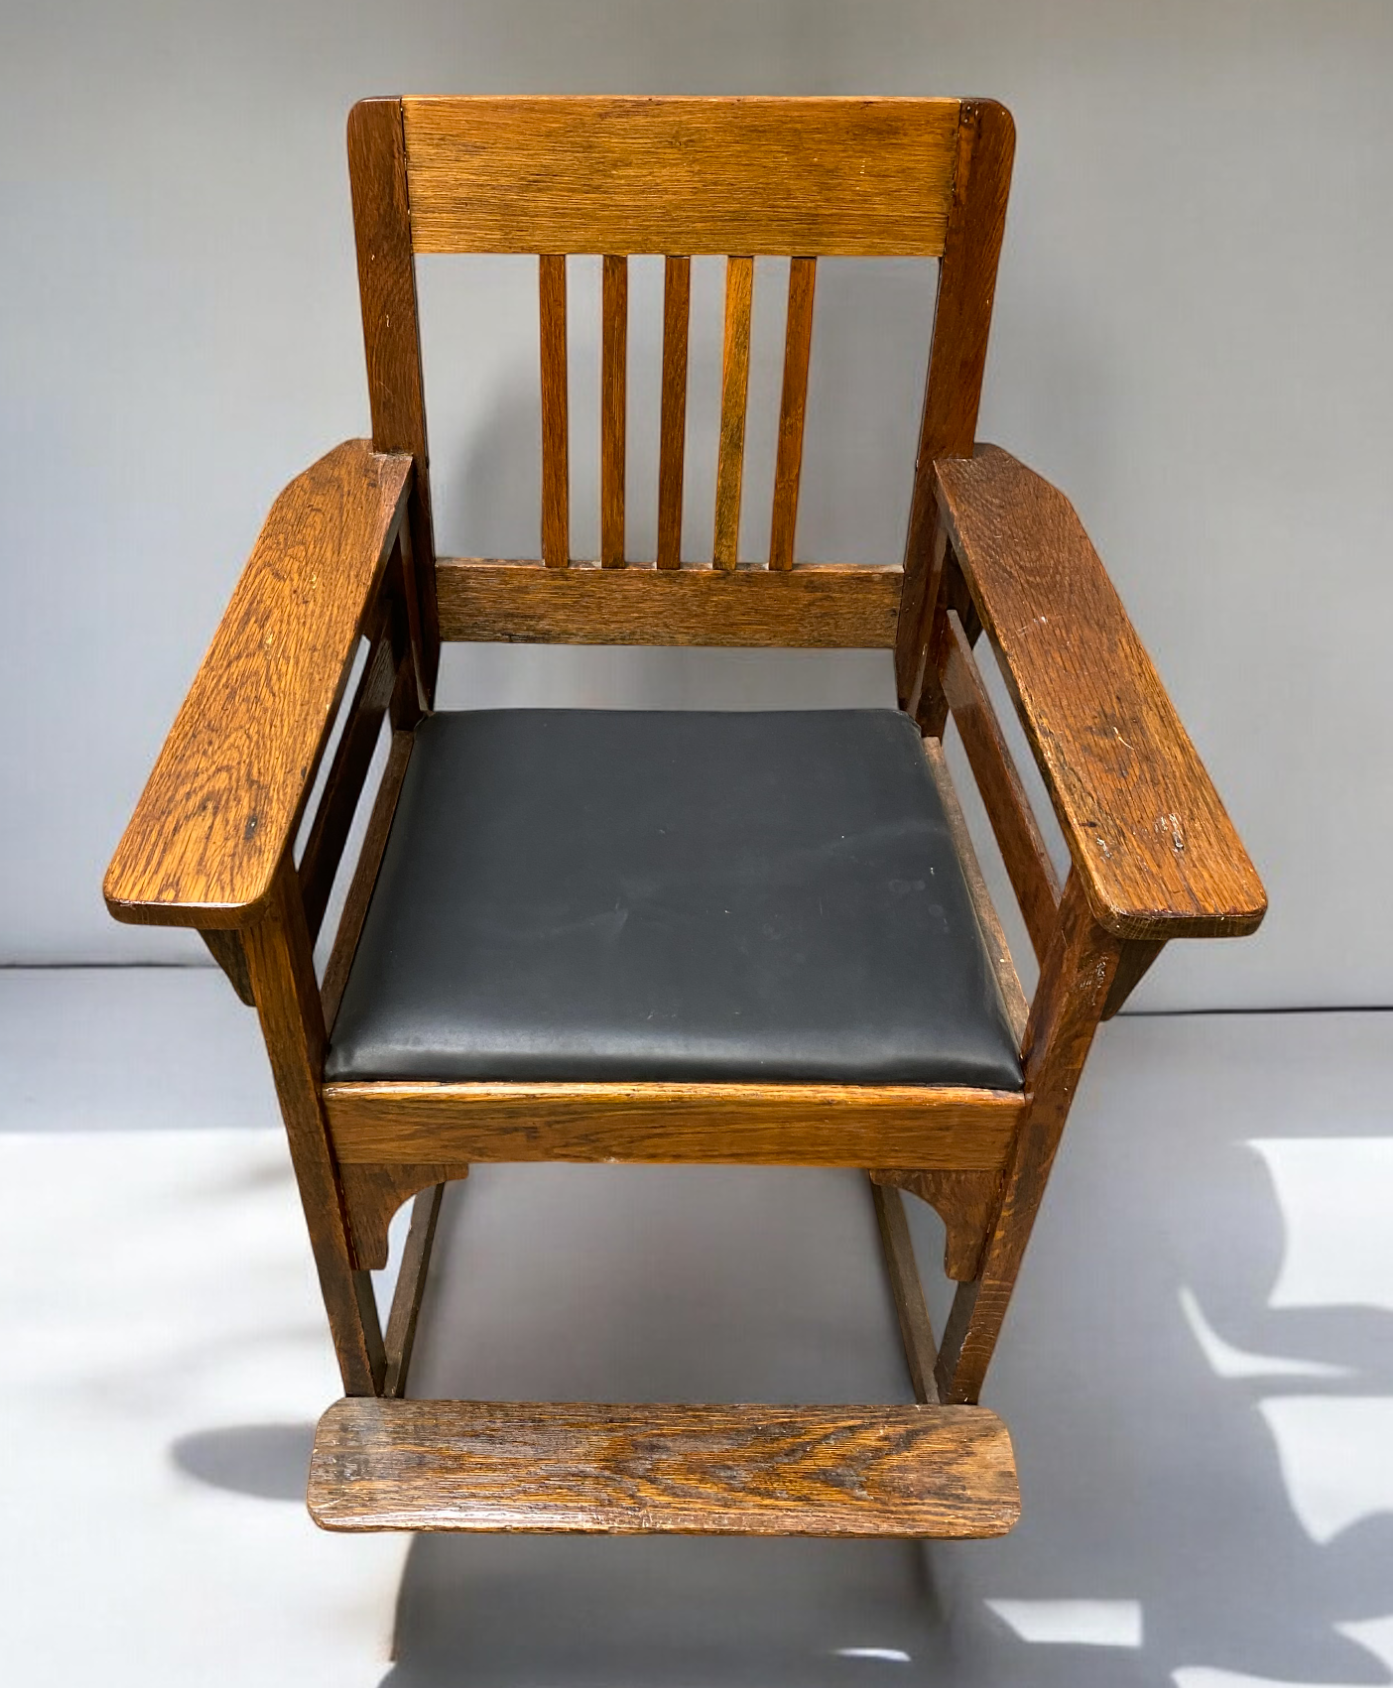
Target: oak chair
[(639, 936)]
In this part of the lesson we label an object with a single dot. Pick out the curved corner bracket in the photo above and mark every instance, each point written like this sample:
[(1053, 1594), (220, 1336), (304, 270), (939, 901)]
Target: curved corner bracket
[(372, 1194), (966, 1202)]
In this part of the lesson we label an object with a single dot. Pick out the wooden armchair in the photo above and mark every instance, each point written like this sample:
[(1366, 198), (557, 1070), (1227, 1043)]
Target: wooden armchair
[(610, 936)]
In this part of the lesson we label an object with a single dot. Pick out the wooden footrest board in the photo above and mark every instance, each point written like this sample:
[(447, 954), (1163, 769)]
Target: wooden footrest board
[(746, 1470)]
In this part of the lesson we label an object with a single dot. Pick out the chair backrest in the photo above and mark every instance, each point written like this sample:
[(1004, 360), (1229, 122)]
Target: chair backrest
[(743, 178)]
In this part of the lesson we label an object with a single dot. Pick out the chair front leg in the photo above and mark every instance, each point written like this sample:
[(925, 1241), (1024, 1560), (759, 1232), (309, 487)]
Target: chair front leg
[(1072, 995), (281, 965)]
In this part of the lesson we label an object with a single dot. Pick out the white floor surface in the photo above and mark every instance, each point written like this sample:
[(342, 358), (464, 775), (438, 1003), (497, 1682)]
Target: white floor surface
[(1197, 1372)]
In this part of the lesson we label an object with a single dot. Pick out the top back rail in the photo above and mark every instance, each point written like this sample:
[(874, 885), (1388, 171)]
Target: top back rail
[(679, 177)]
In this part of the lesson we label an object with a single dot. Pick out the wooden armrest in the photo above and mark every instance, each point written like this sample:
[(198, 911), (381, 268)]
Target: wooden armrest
[(1156, 853), (227, 792)]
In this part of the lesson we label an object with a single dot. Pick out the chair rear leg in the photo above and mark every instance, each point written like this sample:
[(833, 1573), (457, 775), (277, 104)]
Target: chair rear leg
[(1069, 1002), (281, 966)]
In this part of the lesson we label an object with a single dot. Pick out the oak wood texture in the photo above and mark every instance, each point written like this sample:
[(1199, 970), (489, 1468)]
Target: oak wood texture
[(754, 1470), (735, 399), (1075, 980), (226, 949), (342, 789), (227, 793), (813, 604), (556, 483), (966, 1202), (372, 1195), (988, 922), (1133, 966), (287, 1001), (348, 552), (735, 392), (1023, 850), (360, 887), (916, 1331), (1156, 853), (614, 349), (392, 342), (400, 1341), (985, 147), (788, 464), (751, 1124), (672, 424), (848, 177)]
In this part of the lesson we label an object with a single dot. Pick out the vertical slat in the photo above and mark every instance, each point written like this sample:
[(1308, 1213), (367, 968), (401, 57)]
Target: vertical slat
[(613, 384), (392, 340), (735, 386), (556, 511), (360, 889), (1007, 979), (677, 297), (1023, 850), (798, 341), (958, 354)]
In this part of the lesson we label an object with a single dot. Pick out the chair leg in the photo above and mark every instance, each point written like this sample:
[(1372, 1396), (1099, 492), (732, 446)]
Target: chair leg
[(1069, 1002), (287, 1000)]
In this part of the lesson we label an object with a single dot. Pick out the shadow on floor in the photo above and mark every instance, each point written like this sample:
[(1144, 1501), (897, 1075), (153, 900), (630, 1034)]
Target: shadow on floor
[(265, 1460), (1152, 1482)]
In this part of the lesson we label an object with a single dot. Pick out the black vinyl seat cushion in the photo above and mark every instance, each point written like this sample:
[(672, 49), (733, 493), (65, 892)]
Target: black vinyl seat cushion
[(575, 894)]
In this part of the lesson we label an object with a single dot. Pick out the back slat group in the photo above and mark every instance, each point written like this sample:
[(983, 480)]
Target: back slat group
[(739, 179), (735, 382)]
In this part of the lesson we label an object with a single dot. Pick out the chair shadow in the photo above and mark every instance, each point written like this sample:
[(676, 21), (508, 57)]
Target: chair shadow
[(267, 1461), (1146, 1477)]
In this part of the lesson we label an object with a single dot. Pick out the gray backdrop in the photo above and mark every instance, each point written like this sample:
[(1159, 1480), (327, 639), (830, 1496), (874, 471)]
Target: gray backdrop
[(1192, 338)]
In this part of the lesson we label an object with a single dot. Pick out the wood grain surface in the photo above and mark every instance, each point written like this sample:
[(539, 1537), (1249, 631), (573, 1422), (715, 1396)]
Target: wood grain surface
[(985, 150), (1075, 980), (966, 1202), (227, 792), (916, 1330), (754, 1470), (815, 604), (735, 391), (614, 364), (400, 1340), (392, 342), (1018, 836), (988, 921), (672, 426), (755, 1124), (292, 1023), (338, 803), (793, 404), (1156, 852), (556, 471), (855, 177), (227, 950), (372, 1195), (360, 886)]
